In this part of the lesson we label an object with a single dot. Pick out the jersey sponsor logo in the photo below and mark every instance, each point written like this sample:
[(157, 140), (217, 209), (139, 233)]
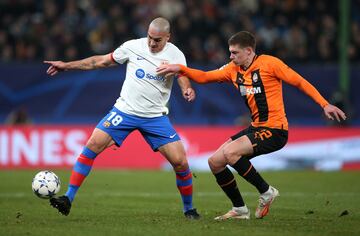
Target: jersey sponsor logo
[(140, 73), (154, 77), (140, 58), (248, 91)]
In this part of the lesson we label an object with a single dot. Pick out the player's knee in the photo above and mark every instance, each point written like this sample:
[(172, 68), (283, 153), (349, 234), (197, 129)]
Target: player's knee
[(95, 144), (215, 164), (179, 163), (183, 164), (212, 163), (231, 156)]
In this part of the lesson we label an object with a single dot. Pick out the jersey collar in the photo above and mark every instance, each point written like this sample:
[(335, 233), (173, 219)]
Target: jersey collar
[(254, 58)]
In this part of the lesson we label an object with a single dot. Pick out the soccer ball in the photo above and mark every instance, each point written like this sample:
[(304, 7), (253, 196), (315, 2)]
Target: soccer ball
[(45, 184)]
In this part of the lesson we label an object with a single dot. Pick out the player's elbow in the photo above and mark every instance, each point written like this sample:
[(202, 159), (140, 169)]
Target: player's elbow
[(105, 61)]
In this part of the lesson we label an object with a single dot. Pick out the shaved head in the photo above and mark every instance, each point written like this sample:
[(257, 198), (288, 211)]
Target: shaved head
[(158, 34), (160, 25)]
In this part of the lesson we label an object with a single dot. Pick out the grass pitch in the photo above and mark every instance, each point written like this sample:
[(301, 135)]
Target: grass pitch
[(147, 203)]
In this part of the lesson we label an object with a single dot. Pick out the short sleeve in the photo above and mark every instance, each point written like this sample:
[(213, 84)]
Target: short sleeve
[(181, 59), (121, 54)]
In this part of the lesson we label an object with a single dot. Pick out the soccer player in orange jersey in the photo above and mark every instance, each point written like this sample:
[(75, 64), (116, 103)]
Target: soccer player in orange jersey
[(258, 78)]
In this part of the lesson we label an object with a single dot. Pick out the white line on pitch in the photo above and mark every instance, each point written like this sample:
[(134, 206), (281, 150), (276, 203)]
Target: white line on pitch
[(175, 193)]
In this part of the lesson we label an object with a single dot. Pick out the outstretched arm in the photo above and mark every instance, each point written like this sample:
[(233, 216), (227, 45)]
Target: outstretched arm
[(198, 76), (94, 62), (285, 73), (331, 112)]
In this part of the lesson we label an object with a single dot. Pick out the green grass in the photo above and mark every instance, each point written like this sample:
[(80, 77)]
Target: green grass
[(147, 203)]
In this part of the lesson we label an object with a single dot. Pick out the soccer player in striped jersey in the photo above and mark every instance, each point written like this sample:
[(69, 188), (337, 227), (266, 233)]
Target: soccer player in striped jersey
[(141, 106), (258, 78)]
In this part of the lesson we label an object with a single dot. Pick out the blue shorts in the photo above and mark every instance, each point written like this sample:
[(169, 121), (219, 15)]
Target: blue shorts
[(157, 131)]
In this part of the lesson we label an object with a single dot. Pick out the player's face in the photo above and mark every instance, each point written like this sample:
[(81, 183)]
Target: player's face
[(239, 55), (157, 40)]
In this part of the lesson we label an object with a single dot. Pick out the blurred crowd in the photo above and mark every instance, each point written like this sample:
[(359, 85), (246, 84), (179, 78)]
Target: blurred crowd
[(294, 30)]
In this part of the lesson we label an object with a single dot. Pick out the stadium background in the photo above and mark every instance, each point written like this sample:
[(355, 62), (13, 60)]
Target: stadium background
[(62, 111)]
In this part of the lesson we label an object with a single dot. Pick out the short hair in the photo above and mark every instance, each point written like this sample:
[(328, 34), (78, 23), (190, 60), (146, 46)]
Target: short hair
[(243, 39), (160, 24)]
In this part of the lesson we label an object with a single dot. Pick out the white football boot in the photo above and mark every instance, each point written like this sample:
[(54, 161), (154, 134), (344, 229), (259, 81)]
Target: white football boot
[(265, 201), (242, 213)]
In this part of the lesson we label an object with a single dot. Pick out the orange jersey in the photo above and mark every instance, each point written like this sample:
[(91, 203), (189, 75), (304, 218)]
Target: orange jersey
[(261, 87)]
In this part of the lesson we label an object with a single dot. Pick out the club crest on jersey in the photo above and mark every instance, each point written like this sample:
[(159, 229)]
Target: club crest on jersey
[(165, 62), (255, 78), (106, 124)]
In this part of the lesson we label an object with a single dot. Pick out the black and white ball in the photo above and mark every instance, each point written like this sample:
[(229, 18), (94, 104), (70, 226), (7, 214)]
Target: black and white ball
[(45, 184)]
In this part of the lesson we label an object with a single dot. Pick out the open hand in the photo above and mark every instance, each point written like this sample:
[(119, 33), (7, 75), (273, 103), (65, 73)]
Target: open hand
[(164, 69), (332, 112)]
